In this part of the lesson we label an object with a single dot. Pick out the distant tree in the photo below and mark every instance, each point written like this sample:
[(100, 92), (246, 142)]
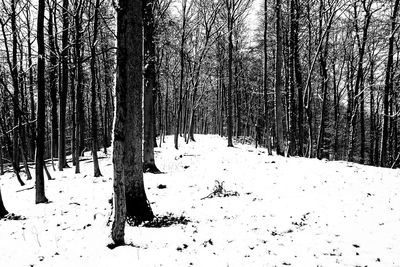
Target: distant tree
[(278, 82), (129, 193), (234, 10), (63, 89), (265, 81), (79, 82), (96, 168)]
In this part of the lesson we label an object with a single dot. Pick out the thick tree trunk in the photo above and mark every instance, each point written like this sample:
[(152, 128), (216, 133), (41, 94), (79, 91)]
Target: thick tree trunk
[(127, 154), (388, 88), (41, 107)]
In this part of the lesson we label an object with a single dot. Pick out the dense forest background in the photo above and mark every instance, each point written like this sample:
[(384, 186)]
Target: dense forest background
[(315, 78)]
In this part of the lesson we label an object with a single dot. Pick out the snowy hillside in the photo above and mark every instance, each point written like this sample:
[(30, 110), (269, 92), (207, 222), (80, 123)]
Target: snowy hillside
[(277, 212)]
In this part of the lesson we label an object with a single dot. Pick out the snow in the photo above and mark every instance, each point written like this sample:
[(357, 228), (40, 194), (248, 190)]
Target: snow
[(289, 211)]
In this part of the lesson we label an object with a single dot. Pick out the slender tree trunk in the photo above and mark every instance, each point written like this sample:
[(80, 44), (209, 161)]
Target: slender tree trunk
[(372, 124), (64, 87), (324, 86), (41, 107), (15, 81), (230, 61), (358, 101), (53, 83), (31, 94), (298, 78), (78, 111), (293, 150), (182, 65), (149, 76), (96, 168), (278, 83), (265, 82)]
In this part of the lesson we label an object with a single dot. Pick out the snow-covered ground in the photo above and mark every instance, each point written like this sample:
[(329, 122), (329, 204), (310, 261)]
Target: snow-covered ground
[(287, 211)]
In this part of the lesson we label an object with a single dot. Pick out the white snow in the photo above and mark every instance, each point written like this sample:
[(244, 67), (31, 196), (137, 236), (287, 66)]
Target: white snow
[(290, 211)]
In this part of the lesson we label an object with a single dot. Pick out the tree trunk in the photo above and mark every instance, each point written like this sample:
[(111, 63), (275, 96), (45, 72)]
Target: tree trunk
[(265, 82), (230, 61), (149, 77), (41, 107), (178, 116), (278, 83), (53, 84), (127, 154), (3, 210), (96, 168), (15, 81), (79, 103), (31, 127), (388, 89), (64, 87)]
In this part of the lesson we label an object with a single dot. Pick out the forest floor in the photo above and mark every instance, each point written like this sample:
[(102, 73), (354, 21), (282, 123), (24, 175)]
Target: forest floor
[(270, 211)]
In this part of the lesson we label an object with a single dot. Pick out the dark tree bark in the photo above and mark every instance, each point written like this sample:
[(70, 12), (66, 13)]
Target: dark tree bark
[(129, 193), (278, 83), (32, 116), (358, 101), (53, 82), (64, 87), (96, 168), (3, 210), (1, 157), (230, 8), (178, 116), (15, 81), (41, 107), (388, 88), (298, 77), (324, 86), (372, 124), (149, 88), (79, 116)]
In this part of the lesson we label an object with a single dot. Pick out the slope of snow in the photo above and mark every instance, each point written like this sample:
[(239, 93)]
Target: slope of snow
[(288, 211)]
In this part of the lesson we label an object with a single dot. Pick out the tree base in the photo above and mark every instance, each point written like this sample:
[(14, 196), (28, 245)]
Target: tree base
[(42, 200), (3, 212), (138, 210), (151, 168), (97, 173)]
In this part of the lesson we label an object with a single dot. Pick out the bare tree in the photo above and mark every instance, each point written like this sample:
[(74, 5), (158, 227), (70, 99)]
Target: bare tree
[(129, 193), (41, 107)]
